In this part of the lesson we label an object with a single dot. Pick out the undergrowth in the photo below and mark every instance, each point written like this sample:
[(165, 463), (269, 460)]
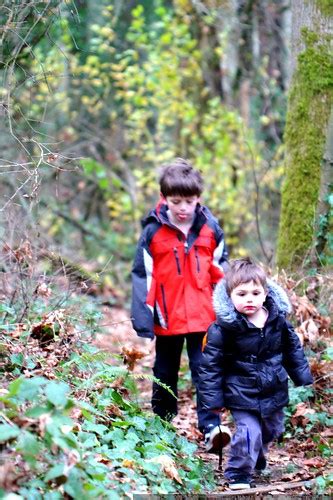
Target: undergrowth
[(70, 424), (81, 435)]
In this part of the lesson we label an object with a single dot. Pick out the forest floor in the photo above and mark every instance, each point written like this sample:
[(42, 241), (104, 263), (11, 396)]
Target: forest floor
[(290, 471)]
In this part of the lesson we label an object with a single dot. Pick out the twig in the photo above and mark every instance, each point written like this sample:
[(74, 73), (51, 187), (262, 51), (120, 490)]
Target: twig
[(266, 489)]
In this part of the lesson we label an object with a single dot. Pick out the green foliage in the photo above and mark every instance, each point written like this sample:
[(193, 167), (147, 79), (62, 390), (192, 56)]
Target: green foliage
[(324, 484), (100, 445), (71, 422), (325, 6), (141, 93), (297, 395), (308, 412)]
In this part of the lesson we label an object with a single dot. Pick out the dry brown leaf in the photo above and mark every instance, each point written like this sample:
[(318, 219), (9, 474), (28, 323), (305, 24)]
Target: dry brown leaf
[(103, 460), (288, 476), (325, 325), (308, 330), (315, 462), (43, 290), (113, 410), (131, 355), (72, 458), (303, 308), (20, 328), (7, 476), (168, 467), (302, 409), (23, 252), (299, 417), (327, 433)]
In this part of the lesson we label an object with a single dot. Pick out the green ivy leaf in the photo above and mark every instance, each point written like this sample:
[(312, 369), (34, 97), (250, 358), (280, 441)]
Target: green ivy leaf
[(17, 359), (99, 429), (8, 432), (56, 471), (56, 393), (28, 446)]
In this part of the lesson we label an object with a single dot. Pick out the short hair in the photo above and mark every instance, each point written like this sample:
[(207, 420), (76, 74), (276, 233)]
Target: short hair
[(180, 178), (243, 271)]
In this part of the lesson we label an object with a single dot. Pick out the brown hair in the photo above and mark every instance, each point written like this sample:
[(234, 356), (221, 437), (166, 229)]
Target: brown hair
[(243, 271), (180, 178)]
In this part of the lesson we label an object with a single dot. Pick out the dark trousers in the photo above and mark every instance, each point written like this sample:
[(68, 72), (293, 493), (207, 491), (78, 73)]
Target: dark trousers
[(166, 368), (250, 441)]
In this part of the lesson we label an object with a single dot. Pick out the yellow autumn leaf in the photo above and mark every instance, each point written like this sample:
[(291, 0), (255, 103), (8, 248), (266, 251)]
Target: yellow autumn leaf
[(128, 463)]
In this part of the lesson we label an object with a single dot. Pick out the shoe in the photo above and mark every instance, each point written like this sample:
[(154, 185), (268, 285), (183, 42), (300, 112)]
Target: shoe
[(217, 439), (240, 483), (261, 463)]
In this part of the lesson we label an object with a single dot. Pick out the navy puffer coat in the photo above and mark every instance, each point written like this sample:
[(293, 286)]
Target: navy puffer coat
[(245, 367)]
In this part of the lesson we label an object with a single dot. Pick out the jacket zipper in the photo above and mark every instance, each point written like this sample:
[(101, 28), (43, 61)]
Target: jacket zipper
[(197, 258), (164, 305), (175, 251)]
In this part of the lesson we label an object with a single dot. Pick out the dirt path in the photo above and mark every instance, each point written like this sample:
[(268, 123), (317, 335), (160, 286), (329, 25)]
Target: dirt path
[(286, 470)]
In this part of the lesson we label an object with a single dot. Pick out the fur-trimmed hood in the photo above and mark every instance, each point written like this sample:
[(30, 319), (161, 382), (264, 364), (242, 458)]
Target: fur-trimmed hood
[(226, 312)]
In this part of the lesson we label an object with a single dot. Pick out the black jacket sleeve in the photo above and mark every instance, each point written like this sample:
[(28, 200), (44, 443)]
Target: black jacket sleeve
[(294, 360), (142, 313), (211, 371)]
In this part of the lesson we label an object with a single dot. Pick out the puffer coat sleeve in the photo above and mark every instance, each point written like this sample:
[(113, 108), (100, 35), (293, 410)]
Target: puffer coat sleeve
[(211, 370), (293, 359)]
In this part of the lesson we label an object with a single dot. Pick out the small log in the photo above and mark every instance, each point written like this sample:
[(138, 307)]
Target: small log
[(280, 487)]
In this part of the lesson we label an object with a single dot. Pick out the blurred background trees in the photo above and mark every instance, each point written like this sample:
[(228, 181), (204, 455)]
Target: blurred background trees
[(95, 96)]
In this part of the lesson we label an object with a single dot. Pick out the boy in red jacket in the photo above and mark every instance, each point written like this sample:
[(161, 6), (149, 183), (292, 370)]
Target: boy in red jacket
[(179, 259)]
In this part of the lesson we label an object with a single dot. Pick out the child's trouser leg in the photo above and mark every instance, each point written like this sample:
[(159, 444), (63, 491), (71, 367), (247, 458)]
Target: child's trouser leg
[(251, 439), (194, 350), (272, 427), (168, 351), (245, 445)]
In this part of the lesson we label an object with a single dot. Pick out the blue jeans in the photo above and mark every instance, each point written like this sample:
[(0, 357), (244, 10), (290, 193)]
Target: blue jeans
[(250, 441), (166, 368)]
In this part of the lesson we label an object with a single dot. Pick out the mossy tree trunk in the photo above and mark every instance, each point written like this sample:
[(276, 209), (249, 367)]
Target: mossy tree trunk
[(309, 108)]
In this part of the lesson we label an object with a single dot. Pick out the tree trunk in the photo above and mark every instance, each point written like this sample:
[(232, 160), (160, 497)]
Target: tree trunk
[(323, 222), (309, 109)]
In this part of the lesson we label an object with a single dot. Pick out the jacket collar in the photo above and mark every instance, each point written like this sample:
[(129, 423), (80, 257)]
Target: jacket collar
[(277, 302), (159, 214)]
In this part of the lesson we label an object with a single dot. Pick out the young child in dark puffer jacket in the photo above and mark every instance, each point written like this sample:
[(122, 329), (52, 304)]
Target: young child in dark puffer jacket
[(250, 351)]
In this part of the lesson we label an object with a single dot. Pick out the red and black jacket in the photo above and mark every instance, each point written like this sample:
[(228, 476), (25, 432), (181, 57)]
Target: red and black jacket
[(173, 276)]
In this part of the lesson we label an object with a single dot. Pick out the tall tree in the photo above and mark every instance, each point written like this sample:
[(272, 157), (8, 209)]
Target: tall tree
[(305, 194)]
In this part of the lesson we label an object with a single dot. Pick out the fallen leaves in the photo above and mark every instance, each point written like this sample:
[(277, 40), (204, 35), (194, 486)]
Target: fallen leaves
[(131, 355), (168, 467), (308, 331), (310, 323), (299, 418), (316, 462)]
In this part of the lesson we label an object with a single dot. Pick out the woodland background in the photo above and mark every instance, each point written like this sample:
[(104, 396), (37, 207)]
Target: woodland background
[(94, 97)]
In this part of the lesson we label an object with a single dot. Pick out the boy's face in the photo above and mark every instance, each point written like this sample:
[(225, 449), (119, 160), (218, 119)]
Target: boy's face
[(182, 208), (248, 298)]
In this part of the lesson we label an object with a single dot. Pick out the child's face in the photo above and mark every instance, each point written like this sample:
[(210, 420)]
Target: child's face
[(182, 208), (248, 298)]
